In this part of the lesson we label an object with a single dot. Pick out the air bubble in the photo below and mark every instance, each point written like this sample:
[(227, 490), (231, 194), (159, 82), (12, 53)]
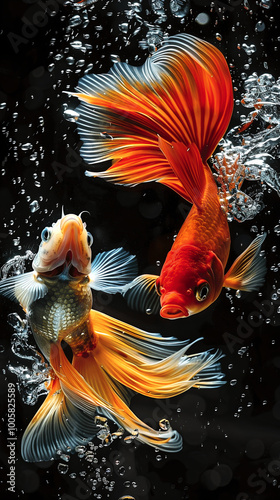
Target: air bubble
[(75, 20), (179, 8), (71, 115), (121, 470), (126, 497), (164, 424), (26, 146), (62, 468), (34, 206), (249, 49), (202, 18), (70, 60), (76, 44), (266, 4), (260, 26)]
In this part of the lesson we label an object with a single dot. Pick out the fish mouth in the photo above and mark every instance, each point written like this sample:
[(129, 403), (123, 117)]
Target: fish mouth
[(72, 270), (173, 311), (68, 258)]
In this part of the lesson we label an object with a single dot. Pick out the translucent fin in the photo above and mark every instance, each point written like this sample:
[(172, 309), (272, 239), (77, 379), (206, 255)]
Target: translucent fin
[(74, 385), (96, 374), (57, 425), (144, 372), (26, 288), (87, 385), (183, 93), (248, 270), (110, 271), (126, 357), (141, 294), (187, 166)]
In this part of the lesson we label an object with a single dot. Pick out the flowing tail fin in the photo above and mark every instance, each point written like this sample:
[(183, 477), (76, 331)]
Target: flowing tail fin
[(57, 425), (183, 93), (126, 358)]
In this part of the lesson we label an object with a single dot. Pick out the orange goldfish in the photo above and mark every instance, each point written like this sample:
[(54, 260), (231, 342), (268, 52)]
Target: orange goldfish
[(109, 357), (161, 122)]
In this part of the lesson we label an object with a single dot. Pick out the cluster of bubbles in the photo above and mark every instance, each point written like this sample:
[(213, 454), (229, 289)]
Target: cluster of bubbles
[(16, 265), (32, 380), (248, 152), (98, 475)]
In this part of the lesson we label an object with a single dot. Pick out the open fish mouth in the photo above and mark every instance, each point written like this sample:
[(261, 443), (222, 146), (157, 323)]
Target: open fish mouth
[(173, 311), (72, 270), (69, 257)]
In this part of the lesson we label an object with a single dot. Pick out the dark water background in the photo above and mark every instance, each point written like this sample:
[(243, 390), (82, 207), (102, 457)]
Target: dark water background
[(231, 435)]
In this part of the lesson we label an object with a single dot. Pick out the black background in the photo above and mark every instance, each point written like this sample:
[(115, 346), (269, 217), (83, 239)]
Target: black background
[(231, 435)]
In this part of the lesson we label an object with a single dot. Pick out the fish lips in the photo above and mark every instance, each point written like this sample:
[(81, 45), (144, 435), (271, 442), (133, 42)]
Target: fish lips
[(173, 306)]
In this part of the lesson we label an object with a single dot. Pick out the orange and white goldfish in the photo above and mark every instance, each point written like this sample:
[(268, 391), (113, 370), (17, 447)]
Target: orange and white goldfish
[(110, 358), (161, 122)]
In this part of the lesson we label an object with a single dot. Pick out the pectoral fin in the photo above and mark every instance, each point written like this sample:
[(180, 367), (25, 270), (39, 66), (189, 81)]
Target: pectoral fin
[(26, 288), (110, 271), (248, 270), (141, 294)]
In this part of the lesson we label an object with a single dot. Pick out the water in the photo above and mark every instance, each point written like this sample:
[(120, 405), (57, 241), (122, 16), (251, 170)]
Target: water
[(230, 433), (32, 376), (249, 150)]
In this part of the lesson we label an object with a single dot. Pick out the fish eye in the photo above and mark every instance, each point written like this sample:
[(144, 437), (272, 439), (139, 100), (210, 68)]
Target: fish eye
[(89, 239), (46, 234), (202, 291)]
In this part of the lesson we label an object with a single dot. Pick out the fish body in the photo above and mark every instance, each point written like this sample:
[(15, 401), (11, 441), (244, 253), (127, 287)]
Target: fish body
[(162, 122), (105, 357), (63, 310), (193, 273)]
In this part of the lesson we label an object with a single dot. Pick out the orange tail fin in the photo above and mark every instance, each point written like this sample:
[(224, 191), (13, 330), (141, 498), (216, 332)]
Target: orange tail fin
[(57, 425), (182, 93), (126, 357)]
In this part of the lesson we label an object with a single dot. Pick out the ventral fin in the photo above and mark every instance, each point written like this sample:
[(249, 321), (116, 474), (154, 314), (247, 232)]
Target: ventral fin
[(110, 271), (248, 270), (141, 294), (25, 288), (187, 166)]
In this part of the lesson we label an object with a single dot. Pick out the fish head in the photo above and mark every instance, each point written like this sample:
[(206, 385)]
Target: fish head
[(64, 245), (189, 282)]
